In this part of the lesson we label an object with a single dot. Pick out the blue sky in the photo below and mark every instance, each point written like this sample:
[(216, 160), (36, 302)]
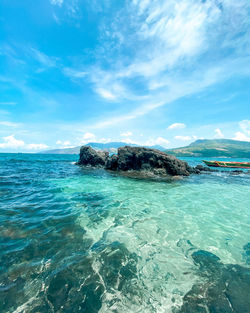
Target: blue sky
[(141, 71)]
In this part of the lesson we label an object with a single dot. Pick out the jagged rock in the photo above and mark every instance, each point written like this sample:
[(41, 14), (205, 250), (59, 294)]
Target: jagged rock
[(149, 162), (145, 159), (112, 163), (202, 168), (91, 157)]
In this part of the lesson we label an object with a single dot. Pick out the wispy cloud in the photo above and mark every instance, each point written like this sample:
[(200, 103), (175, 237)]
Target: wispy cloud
[(174, 44), (56, 2), (23, 54), (4, 113), (73, 73), (43, 59), (177, 126), (106, 94), (140, 111), (9, 124)]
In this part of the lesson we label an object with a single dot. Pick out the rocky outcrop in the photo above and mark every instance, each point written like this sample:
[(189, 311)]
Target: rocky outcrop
[(112, 163), (202, 168), (91, 157), (136, 160), (145, 159)]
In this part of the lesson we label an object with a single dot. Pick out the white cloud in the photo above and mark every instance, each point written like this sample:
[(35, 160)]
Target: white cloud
[(244, 134), (177, 126), (63, 143), (245, 126), (10, 142), (86, 138), (183, 138), (170, 45), (106, 87), (106, 94), (157, 141), (218, 133), (126, 134), (166, 32), (241, 136), (89, 136)]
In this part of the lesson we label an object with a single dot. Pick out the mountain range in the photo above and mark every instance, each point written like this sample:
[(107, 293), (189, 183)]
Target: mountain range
[(214, 148), (198, 148), (110, 147)]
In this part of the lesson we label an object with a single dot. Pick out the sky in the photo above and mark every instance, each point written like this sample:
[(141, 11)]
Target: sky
[(151, 72)]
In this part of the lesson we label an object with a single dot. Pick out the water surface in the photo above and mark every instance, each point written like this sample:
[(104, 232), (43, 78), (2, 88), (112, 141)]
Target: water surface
[(78, 240)]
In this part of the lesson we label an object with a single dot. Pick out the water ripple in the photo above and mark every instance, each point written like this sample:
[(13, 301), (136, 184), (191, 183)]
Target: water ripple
[(81, 240)]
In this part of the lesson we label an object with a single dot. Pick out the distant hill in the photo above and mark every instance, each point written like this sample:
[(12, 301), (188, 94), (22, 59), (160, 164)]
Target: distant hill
[(214, 148), (110, 147), (74, 150)]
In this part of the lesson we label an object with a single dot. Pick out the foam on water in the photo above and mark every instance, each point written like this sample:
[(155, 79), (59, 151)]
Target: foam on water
[(86, 240)]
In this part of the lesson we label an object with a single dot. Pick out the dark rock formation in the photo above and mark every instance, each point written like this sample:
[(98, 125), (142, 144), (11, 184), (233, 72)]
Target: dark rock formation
[(223, 287), (112, 163), (140, 162), (246, 253), (137, 159), (91, 157), (145, 159), (202, 168)]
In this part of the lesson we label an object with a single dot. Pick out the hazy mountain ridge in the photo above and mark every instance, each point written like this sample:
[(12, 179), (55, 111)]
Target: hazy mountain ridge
[(214, 148), (110, 147)]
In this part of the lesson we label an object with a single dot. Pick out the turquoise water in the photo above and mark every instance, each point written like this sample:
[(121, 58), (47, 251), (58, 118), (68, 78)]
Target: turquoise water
[(78, 240)]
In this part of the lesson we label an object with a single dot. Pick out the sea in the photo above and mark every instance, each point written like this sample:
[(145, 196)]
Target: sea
[(86, 240)]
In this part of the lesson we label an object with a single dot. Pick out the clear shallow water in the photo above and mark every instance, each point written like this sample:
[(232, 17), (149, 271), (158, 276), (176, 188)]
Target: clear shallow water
[(77, 240)]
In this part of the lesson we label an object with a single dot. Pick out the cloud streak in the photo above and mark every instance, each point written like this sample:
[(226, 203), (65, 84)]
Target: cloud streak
[(174, 43), (177, 126)]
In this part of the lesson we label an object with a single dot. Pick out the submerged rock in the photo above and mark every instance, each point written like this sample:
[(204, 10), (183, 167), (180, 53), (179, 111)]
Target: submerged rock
[(202, 168), (91, 157), (224, 287), (137, 160), (82, 286), (246, 253)]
